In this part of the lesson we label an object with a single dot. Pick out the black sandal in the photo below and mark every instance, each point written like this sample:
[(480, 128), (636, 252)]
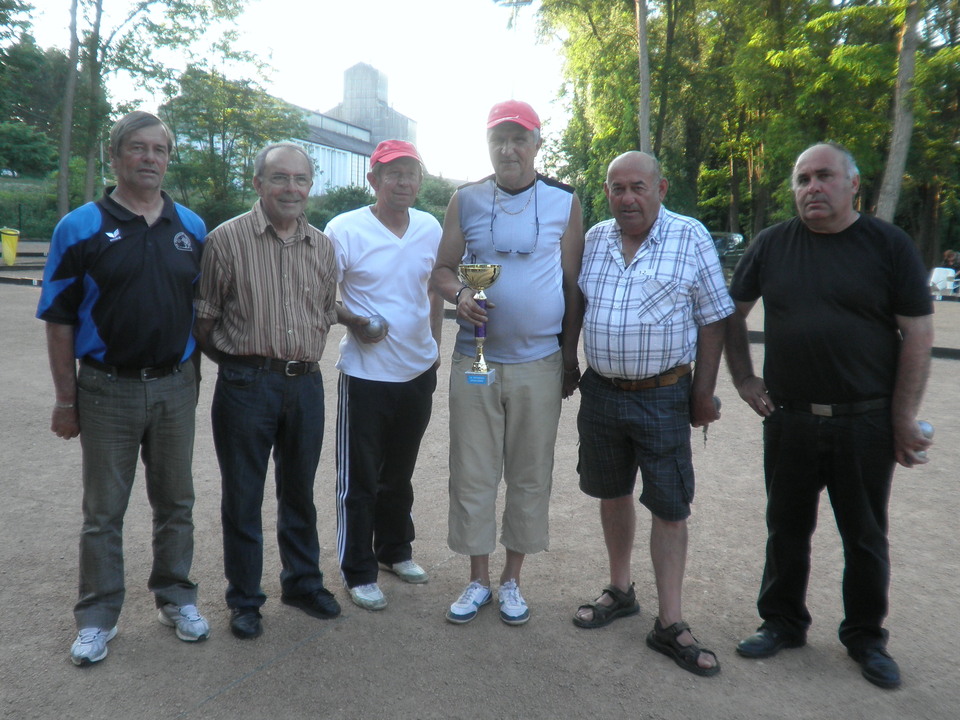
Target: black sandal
[(624, 605), (664, 640)]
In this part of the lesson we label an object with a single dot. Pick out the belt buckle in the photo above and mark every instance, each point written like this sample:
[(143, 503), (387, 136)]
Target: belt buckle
[(289, 371), (148, 374), (821, 410)]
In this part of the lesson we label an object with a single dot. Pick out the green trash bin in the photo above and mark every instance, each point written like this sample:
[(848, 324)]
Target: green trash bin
[(11, 238)]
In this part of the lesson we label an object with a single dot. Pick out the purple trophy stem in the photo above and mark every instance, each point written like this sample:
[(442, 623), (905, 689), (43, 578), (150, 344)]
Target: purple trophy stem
[(480, 331)]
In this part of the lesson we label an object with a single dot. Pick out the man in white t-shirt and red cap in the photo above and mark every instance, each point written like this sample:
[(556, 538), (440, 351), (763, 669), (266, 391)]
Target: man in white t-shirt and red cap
[(388, 364)]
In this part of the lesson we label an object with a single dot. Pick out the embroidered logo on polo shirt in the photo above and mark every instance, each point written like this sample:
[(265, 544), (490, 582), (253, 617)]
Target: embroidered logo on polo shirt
[(113, 236), (181, 241)]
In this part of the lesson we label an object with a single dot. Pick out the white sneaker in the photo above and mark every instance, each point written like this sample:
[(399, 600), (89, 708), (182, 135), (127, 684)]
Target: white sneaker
[(91, 645), (469, 603), (369, 597), (408, 571), (513, 608), (189, 623)]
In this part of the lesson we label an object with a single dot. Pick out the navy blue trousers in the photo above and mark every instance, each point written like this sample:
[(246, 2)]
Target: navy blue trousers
[(255, 411)]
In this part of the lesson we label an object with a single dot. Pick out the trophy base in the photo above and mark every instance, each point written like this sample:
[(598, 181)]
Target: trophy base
[(481, 378)]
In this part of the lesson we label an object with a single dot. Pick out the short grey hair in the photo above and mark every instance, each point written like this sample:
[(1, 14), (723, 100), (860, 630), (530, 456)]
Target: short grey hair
[(261, 159), (849, 164), (131, 123)]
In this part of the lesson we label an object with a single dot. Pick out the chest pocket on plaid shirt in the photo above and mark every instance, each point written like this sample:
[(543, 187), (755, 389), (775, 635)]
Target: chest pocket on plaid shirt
[(656, 301)]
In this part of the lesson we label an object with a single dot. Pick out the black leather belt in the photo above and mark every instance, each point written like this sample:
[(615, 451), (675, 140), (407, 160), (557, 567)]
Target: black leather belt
[(670, 377), (854, 408), (290, 368), (143, 374)]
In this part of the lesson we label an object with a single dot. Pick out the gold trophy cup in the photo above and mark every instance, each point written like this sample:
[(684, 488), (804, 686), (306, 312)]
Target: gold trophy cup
[(478, 278)]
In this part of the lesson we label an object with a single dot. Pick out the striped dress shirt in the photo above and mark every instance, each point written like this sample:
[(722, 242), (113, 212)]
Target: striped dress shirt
[(269, 297), (642, 319)]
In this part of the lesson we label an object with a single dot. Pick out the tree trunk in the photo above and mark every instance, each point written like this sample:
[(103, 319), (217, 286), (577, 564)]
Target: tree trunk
[(671, 11), (66, 120), (902, 116), (95, 81), (643, 127)]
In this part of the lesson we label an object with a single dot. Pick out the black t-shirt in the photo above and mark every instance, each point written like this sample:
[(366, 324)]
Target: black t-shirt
[(829, 305)]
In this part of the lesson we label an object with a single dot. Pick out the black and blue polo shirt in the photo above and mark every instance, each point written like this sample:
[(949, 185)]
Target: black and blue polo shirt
[(128, 287)]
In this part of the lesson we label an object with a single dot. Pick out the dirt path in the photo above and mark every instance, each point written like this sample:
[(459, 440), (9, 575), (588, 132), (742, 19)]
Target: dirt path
[(407, 662)]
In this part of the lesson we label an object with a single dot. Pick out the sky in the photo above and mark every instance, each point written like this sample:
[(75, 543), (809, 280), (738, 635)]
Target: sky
[(446, 61)]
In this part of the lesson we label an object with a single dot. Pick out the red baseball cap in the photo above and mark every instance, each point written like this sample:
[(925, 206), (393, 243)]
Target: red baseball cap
[(390, 150), (513, 111)]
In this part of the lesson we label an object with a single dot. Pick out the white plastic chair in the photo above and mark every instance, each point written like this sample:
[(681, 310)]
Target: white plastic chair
[(942, 280)]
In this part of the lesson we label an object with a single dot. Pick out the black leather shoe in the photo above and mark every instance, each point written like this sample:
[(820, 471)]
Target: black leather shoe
[(245, 623), (767, 642), (877, 666), (320, 603)]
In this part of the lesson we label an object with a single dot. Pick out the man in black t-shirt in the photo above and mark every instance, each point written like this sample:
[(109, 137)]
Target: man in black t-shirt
[(848, 331)]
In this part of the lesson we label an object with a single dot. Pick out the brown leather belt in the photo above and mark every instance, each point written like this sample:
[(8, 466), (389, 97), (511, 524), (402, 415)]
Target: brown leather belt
[(670, 377), (290, 368), (143, 374), (854, 408)]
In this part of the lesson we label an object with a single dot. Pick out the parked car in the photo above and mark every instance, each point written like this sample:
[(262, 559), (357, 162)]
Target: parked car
[(730, 248)]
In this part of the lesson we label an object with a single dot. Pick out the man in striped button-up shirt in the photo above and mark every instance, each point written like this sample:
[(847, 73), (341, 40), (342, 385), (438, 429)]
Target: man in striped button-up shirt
[(266, 301)]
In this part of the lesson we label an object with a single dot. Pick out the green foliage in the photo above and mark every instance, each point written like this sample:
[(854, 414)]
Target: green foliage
[(434, 196), (739, 89), (31, 85), (25, 150), (323, 208), (219, 125), (29, 206)]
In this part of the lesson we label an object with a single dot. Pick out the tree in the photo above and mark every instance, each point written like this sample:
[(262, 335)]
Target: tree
[(902, 115), (324, 208), (219, 125), (434, 196), (13, 18), (66, 120), (31, 85), (25, 150), (144, 27)]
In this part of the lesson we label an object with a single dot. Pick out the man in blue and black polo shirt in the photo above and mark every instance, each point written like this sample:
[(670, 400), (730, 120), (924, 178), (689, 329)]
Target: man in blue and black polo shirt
[(118, 295)]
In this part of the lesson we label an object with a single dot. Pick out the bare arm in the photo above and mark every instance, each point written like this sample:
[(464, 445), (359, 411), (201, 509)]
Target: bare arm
[(201, 331), (709, 349), (571, 257), (752, 389), (436, 321), (913, 369), (445, 280), (355, 324), (65, 420)]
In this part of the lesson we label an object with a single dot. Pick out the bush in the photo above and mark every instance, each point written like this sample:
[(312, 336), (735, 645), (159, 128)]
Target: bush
[(29, 206)]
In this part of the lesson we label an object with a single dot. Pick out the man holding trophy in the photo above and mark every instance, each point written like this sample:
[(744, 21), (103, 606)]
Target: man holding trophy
[(388, 370), (515, 237)]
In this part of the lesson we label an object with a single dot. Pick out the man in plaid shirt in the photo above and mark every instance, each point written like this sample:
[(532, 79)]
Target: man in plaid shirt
[(656, 306)]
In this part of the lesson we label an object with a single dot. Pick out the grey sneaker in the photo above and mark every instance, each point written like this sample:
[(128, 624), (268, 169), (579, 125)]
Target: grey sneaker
[(513, 608), (369, 597), (408, 571), (469, 603), (91, 645), (190, 625)]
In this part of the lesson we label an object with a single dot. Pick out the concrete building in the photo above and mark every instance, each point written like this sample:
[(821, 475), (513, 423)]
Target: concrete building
[(365, 103), (342, 140)]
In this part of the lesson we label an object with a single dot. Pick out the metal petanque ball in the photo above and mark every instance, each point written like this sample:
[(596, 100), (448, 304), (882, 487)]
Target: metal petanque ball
[(926, 429), (376, 328)]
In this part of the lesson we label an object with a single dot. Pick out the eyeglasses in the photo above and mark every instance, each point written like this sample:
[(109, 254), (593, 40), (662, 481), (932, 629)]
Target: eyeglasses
[(536, 220), (282, 180)]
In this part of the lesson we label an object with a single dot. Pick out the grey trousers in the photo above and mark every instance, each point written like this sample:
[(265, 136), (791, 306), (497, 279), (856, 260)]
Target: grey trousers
[(119, 419)]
